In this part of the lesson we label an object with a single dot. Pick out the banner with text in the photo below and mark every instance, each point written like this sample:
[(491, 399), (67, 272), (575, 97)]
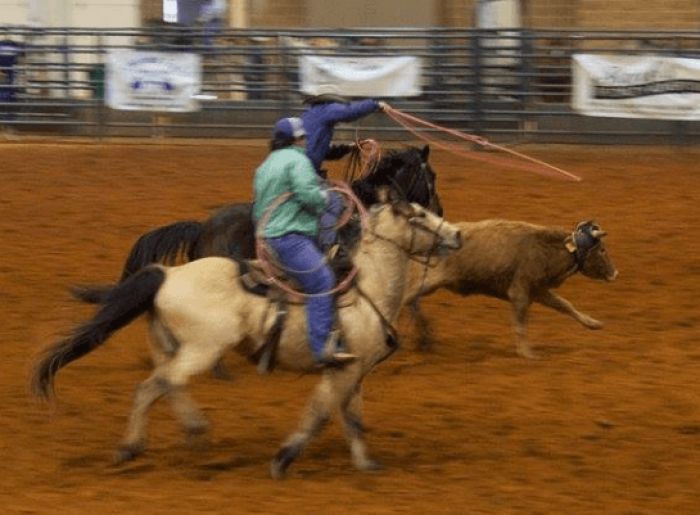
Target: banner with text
[(631, 86), (362, 77), (153, 81)]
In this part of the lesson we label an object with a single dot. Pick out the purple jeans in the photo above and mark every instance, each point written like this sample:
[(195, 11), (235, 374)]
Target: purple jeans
[(305, 262)]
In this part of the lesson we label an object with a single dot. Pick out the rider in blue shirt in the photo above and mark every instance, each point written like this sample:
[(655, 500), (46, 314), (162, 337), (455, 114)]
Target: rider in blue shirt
[(326, 109)]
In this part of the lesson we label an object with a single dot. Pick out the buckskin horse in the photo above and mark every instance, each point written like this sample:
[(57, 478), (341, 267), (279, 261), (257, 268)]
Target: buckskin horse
[(199, 310)]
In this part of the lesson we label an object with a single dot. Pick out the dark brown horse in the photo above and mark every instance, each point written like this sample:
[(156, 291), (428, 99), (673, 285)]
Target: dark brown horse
[(229, 232)]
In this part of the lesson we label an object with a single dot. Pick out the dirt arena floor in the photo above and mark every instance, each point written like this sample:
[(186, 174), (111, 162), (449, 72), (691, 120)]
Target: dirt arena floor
[(605, 422)]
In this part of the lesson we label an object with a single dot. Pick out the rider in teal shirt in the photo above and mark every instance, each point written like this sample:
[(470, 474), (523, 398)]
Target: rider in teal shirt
[(292, 233), (289, 169)]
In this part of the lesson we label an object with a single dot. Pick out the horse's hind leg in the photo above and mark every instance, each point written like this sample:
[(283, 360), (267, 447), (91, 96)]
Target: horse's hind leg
[(170, 377), (146, 394), (351, 410), (165, 351), (186, 411), (316, 416)]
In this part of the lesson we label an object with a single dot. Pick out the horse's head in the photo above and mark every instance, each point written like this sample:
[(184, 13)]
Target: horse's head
[(411, 226), (409, 173)]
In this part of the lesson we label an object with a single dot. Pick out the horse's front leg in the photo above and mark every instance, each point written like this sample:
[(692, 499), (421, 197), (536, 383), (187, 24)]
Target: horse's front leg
[(355, 430), (317, 414)]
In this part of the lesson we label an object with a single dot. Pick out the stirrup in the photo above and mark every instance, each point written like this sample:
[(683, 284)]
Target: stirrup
[(333, 356), (338, 360)]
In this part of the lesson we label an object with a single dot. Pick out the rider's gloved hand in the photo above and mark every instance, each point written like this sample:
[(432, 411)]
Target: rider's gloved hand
[(383, 106)]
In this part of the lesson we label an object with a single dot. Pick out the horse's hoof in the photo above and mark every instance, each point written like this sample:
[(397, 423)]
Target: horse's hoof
[(127, 453), (197, 428), (424, 345), (221, 372), (526, 352), (371, 466), (283, 459), (277, 471)]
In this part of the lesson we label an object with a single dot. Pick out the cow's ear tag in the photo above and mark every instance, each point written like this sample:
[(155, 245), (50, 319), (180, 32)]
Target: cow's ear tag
[(569, 244)]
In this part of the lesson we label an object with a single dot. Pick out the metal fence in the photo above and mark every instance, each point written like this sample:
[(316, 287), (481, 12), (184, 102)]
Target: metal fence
[(506, 85)]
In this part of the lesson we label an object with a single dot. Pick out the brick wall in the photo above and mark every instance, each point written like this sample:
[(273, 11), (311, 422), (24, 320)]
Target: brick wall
[(151, 10), (277, 14), (584, 14), (588, 14), (638, 14), (551, 14), (456, 13)]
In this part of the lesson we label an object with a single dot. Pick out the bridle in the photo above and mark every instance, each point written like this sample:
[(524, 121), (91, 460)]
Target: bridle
[(422, 257), (420, 176), (414, 255)]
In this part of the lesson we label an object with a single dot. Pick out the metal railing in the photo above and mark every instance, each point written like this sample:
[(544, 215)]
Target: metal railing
[(506, 85)]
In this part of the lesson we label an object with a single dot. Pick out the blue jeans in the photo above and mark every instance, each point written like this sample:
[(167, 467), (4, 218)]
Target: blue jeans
[(300, 254), (326, 236)]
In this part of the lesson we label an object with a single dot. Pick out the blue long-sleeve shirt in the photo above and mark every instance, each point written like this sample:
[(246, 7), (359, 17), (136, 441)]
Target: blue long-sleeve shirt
[(319, 123)]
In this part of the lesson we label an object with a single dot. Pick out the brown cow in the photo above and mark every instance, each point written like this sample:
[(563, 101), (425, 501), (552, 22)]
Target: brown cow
[(518, 262)]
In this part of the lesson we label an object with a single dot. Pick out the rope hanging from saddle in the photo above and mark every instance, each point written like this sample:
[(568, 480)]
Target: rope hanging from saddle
[(274, 271)]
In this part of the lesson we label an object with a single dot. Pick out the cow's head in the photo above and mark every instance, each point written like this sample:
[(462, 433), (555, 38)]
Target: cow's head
[(592, 257)]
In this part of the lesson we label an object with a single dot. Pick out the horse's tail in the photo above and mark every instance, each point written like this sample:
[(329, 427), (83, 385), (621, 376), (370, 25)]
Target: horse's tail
[(122, 303), (163, 245)]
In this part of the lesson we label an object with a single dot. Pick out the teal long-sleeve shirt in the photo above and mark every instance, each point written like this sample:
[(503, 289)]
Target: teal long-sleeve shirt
[(289, 169)]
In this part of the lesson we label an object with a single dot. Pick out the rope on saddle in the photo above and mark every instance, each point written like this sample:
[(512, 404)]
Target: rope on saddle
[(274, 271)]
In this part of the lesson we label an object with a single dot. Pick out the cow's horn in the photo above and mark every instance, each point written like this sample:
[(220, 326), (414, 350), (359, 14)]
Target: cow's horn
[(598, 233)]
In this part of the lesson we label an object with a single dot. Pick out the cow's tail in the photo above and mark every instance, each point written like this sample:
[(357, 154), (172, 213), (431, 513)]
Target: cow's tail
[(121, 304)]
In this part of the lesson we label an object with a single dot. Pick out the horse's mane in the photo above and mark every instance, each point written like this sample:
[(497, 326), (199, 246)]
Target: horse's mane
[(386, 172)]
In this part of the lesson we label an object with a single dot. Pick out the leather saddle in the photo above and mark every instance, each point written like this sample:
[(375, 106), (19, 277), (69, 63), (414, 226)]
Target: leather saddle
[(254, 279)]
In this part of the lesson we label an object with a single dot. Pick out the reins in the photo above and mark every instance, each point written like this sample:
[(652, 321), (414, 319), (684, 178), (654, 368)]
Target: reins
[(409, 252), (390, 327)]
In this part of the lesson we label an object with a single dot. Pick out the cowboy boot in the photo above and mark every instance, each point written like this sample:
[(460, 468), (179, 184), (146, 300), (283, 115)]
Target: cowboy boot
[(334, 354)]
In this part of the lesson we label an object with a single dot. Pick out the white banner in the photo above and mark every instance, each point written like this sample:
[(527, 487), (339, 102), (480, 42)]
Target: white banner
[(362, 77), (153, 81), (631, 86)]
